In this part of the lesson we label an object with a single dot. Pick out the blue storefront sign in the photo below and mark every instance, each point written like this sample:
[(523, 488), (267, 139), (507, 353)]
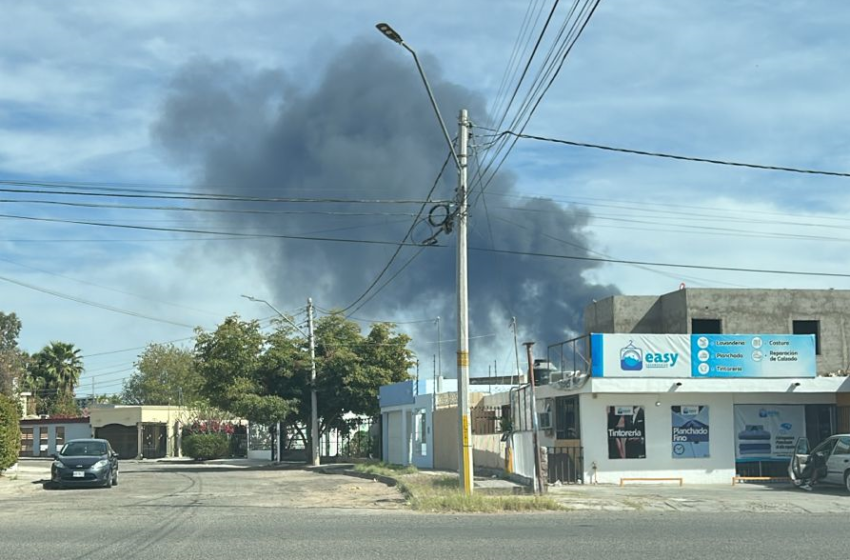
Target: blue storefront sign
[(703, 356)]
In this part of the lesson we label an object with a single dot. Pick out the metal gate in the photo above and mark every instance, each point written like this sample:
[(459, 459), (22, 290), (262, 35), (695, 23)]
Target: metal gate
[(154, 441), (566, 465)]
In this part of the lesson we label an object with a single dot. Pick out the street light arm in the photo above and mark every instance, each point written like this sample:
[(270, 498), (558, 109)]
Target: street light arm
[(275, 309), (434, 104), (393, 36)]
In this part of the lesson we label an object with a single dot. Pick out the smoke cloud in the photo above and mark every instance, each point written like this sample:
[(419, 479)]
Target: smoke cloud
[(363, 128)]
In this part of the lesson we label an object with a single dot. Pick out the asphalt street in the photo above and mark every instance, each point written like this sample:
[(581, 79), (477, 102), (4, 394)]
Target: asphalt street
[(175, 511)]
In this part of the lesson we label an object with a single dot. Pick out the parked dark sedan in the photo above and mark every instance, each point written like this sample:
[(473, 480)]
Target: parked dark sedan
[(85, 462)]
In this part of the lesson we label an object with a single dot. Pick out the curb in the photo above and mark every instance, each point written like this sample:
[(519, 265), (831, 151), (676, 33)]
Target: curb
[(388, 480)]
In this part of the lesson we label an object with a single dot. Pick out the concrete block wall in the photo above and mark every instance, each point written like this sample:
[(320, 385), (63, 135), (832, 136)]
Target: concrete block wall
[(740, 311)]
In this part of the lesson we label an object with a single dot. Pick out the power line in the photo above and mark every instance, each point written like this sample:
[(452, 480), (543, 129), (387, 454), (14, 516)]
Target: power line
[(678, 157), (201, 210), (670, 265), (200, 231), (552, 66), (87, 283), (210, 197), (403, 242), (92, 303)]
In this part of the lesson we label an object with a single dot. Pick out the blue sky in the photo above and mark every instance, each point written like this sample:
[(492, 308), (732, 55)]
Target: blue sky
[(85, 84)]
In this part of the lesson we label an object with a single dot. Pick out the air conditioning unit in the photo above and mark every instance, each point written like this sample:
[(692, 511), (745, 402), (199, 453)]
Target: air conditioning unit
[(544, 420)]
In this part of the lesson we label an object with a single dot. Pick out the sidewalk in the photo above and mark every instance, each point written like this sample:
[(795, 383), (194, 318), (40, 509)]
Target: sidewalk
[(24, 477), (716, 498)]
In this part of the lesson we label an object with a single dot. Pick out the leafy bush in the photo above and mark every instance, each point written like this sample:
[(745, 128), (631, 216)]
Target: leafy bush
[(206, 446), (10, 432)]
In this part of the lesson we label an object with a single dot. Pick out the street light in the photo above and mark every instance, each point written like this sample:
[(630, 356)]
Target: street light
[(459, 156), (314, 414)]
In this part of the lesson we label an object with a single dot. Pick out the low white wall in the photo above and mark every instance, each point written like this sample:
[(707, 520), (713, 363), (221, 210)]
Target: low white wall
[(264, 454), (488, 451), (523, 451), (718, 468)]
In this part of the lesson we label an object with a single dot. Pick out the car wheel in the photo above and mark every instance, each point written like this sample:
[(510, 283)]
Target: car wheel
[(847, 480), (115, 479), (108, 483)]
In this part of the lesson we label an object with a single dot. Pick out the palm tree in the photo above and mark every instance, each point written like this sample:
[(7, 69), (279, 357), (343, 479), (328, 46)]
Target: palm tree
[(60, 364)]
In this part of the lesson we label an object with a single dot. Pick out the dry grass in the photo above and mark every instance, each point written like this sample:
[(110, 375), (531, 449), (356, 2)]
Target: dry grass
[(442, 494), (385, 469)]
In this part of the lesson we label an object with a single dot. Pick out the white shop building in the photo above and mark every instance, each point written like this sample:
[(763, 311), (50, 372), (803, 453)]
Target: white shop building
[(703, 408)]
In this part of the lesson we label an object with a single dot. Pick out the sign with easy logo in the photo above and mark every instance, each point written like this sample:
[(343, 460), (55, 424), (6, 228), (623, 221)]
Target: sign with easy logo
[(637, 355), (703, 356)]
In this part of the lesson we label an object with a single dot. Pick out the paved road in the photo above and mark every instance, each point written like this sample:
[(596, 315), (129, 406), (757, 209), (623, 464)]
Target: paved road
[(189, 512)]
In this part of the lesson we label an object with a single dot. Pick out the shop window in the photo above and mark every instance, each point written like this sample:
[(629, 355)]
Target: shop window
[(706, 326), (567, 418), (26, 442), (808, 327)]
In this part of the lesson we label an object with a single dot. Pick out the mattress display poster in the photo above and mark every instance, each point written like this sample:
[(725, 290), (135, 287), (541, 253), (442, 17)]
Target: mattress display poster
[(626, 432), (767, 432), (690, 431)]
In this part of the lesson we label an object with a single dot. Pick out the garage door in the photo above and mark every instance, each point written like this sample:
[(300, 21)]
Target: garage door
[(123, 439), (395, 441)]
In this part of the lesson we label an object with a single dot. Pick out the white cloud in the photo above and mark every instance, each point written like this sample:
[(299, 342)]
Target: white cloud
[(84, 81)]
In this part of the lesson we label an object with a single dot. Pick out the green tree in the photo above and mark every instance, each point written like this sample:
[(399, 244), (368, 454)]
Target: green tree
[(12, 359), (165, 374), (267, 378), (350, 370), (55, 371), (10, 433), (228, 361)]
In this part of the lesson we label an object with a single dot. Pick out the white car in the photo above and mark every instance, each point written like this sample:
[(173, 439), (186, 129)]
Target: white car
[(830, 461)]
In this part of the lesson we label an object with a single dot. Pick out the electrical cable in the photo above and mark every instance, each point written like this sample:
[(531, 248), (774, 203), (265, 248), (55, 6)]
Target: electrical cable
[(199, 231), (403, 242), (93, 303), (662, 264), (679, 157)]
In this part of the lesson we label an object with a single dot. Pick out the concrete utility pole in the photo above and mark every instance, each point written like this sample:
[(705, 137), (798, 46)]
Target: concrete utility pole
[(465, 440), (538, 478), (465, 467), (314, 412), (439, 379)]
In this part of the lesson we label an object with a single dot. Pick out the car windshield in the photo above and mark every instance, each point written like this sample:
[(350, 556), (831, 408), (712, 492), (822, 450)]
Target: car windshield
[(84, 449)]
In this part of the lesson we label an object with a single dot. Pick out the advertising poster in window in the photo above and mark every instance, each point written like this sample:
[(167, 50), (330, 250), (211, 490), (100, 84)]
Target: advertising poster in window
[(690, 431), (767, 432), (626, 432)]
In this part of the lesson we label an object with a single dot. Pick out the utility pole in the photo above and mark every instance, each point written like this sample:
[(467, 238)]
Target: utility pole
[(439, 358), (538, 479), (314, 413), (459, 156), (465, 467), (516, 351)]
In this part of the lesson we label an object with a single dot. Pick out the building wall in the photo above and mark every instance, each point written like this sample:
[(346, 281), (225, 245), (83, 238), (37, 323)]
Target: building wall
[(73, 430), (445, 439), (395, 438), (659, 461), (741, 311)]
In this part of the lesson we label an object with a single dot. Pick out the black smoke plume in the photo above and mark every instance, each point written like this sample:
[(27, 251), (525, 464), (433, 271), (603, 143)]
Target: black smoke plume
[(363, 128)]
